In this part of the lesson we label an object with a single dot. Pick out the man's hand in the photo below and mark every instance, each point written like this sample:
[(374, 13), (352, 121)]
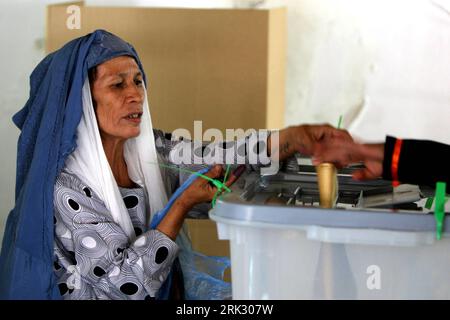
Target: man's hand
[(345, 153)]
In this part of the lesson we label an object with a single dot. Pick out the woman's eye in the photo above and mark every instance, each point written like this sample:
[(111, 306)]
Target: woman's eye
[(118, 85), (138, 82)]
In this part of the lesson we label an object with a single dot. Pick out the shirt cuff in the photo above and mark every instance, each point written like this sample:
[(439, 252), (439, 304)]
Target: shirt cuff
[(387, 161)]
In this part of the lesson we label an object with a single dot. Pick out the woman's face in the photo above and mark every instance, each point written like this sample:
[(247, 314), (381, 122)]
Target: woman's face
[(118, 91)]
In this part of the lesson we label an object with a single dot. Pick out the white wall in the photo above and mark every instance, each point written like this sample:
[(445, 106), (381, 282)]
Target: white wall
[(382, 63), (328, 60), (408, 89)]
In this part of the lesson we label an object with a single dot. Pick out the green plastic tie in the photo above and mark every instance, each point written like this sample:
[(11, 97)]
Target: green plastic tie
[(340, 121), (429, 203), (218, 184), (226, 173), (219, 190), (439, 208)]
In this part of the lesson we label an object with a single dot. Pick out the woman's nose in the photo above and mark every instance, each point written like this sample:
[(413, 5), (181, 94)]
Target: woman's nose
[(135, 93)]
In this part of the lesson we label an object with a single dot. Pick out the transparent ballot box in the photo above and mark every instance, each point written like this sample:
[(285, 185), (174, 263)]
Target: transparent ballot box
[(379, 242)]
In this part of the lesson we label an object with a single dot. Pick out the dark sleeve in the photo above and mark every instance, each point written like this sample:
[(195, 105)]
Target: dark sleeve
[(421, 162)]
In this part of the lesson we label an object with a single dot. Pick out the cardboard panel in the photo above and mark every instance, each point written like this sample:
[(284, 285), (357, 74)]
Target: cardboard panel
[(224, 67)]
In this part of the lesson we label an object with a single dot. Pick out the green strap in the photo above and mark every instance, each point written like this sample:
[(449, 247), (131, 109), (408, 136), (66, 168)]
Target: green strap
[(219, 185), (219, 190), (226, 174), (340, 121), (216, 183), (439, 208)]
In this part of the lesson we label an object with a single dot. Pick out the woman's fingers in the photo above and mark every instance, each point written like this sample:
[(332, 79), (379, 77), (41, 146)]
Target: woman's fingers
[(341, 153), (328, 132), (217, 171), (210, 188), (214, 172), (338, 156), (235, 174), (316, 161), (232, 179)]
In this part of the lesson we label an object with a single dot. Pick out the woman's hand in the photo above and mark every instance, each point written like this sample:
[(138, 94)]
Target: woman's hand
[(307, 139), (199, 191)]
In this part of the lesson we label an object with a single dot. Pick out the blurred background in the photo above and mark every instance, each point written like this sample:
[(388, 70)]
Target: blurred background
[(382, 64)]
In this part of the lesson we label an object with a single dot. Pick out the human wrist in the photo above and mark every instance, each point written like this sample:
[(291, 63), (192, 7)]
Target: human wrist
[(287, 142), (298, 136), (184, 203), (374, 152)]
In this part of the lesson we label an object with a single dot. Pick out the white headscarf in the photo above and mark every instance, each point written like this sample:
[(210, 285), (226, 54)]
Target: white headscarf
[(89, 163)]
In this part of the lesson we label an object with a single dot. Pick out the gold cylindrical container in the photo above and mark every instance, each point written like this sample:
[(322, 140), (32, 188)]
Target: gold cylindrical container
[(328, 184)]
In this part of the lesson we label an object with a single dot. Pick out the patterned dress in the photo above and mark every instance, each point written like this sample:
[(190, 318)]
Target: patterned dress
[(94, 258)]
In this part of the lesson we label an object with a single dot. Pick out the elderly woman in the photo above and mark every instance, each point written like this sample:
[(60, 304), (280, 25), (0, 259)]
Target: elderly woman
[(89, 182)]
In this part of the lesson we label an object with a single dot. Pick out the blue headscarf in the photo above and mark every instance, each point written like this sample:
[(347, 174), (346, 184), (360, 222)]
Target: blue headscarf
[(48, 124)]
